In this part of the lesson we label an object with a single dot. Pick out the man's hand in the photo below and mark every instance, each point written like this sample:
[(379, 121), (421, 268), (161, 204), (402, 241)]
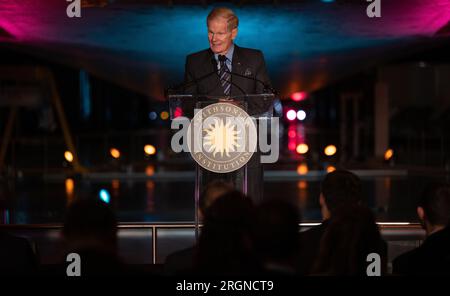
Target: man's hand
[(225, 99), (230, 101)]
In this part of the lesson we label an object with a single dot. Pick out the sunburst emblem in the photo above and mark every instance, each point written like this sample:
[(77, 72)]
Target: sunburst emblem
[(221, 137)]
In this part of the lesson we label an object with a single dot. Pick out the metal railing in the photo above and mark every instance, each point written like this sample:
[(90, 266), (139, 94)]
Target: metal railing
[(390, 231)]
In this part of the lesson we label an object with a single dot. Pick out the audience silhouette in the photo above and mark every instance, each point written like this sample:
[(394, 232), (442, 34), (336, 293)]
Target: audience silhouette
[(339, 188), (226, 245), (277, 237), (433, 256), (90, 230), (181, 262), (350, 237)]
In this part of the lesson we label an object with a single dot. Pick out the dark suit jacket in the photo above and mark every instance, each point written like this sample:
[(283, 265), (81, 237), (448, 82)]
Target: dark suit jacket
[(431, 258), (247, 62)]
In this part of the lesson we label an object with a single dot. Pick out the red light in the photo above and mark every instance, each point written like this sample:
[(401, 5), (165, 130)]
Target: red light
[(299, 96), (292, 146), (178, 112), (292, 134)]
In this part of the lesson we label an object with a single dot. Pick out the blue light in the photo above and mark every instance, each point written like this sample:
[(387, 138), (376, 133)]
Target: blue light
[(104, 195), (6, 217), (85, 94), (278, 107), (152, 115), (327, 1)]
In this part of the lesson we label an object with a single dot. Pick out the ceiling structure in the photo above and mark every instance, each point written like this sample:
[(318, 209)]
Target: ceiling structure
[(141, 45)]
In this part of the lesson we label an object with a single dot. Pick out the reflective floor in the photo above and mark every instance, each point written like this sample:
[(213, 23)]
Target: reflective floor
[(36, 200)]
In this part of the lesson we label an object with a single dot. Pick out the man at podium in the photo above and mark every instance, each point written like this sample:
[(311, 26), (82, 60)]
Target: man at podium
[(241, 70), (225, 69)]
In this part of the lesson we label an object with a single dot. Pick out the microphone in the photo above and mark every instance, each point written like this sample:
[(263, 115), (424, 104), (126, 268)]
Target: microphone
[(256, 104), (184, 85), (223, 58), (264, 84)]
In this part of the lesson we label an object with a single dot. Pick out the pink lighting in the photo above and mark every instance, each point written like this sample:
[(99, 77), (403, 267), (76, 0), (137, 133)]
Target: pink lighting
[(291, 115), (292, 146), (178, 112), (299, 96)]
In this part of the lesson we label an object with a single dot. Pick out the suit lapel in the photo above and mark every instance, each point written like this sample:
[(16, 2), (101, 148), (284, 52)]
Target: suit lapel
[(212, 81), (237, 67)]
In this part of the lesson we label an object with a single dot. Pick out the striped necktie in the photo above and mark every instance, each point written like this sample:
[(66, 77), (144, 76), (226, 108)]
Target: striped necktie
[(225, 76)]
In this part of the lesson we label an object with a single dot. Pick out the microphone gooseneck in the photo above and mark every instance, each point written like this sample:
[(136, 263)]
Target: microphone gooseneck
[(223, 59), (266, 86)]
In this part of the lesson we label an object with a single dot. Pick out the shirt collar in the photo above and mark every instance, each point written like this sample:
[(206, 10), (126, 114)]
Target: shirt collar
[(229, 54)]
